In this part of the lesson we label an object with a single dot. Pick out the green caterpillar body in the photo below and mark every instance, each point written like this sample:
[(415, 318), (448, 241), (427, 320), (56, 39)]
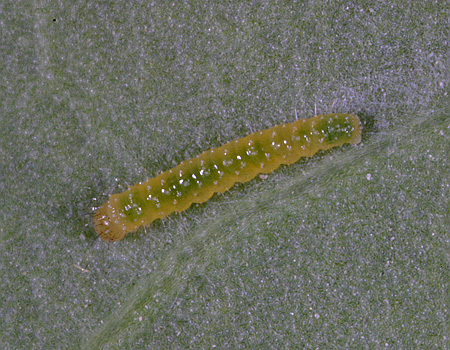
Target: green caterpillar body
[(216, 170)]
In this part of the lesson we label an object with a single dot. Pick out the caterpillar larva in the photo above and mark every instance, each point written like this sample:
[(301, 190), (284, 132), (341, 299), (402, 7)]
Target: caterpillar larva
[(216, 170)]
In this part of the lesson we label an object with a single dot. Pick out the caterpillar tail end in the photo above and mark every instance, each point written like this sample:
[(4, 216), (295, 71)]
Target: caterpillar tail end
[(105, 228), (358, 129)]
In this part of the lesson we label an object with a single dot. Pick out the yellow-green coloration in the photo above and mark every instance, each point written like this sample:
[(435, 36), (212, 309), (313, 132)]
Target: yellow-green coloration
[(197, 179)]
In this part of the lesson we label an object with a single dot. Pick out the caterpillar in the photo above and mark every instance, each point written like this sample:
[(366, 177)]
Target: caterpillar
[(216, 170)]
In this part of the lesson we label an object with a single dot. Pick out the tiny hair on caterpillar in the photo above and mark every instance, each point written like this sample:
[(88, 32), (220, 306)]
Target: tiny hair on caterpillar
[(215, 171)]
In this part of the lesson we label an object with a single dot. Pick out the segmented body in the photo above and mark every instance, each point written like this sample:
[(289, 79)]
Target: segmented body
[(216, 170)]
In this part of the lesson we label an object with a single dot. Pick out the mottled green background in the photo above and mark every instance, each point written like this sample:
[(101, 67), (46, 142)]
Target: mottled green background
[(347, 249)]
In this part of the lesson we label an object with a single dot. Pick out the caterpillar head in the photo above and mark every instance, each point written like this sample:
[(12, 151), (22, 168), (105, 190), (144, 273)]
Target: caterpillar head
[(105, 227)]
